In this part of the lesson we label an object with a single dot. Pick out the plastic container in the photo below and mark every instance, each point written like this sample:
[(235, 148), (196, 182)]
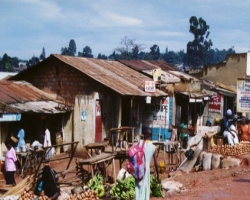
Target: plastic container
[(17, 149), (24, 149), (162, 167)]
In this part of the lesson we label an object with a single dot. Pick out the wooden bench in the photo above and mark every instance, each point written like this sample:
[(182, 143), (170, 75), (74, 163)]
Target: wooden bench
[(98, 163)]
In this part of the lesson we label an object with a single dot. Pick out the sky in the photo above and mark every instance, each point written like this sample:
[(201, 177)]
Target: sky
[(28, 26)]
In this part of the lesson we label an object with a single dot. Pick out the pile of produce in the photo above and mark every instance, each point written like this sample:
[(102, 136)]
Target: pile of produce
[(155, 187), (96, 184), (124, 189), (87, 195), (229, 150), (28, 195)]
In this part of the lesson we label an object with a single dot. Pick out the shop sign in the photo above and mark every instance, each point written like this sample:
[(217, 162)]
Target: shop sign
[(10, 117), (243, 95), (149, 86), (214, 104)]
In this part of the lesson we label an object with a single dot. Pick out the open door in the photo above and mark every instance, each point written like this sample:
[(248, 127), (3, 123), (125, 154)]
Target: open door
[(98, 121)]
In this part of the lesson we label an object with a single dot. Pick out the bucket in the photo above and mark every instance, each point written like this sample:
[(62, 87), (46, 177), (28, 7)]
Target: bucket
[(17, 149), (23, 149), (168, 146), (162, 167)]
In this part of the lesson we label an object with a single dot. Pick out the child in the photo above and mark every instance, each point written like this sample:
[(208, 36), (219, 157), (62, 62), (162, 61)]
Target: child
[(10, 164)]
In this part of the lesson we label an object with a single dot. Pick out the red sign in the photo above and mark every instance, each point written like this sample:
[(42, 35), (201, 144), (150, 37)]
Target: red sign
[(214, 104)]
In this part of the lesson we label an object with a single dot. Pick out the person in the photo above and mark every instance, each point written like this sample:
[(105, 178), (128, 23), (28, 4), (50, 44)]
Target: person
[(231, 133), (47, 182), (59, 141), (224, 120), (47, 143), (10, 163), (183, 135), (142, 187), (243, 129), (47, 139), (21, 136)]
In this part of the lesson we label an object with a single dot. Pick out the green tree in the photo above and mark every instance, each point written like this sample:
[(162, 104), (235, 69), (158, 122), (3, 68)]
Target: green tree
[(86, 52), (33, 61), (155, 52), (71, 50), (9, 67), (198, 48), (102, 56), (64, 51), (42, 56), (72, 47)]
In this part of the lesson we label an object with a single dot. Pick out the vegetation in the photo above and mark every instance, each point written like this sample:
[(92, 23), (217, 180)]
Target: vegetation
[(198, 48), (199, 52)]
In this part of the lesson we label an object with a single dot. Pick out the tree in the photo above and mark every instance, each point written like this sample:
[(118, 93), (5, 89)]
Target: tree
[(129, 49), (9, 67), (72, 47), (198, 48), (102, 56), (86, 52), (64, 51), (42, 56), (71, 50), (155, 52), (33, 61)]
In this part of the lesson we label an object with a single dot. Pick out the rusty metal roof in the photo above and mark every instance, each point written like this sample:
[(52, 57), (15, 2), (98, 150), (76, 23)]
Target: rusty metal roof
[(112, 74), (21, 96), (148, 64)]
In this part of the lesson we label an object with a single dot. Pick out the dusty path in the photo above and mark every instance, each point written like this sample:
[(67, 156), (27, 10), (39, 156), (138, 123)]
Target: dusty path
[(221, 184)]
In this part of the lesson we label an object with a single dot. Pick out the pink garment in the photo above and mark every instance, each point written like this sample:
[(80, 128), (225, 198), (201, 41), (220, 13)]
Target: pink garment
[(10, 159)]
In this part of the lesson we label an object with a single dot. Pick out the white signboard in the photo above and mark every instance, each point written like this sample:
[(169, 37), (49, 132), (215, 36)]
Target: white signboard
[(243, 95), (248, 64), (149, 86)]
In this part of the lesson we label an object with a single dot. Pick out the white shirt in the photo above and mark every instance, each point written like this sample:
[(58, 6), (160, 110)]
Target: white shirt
[(230, 139), (47, 140)]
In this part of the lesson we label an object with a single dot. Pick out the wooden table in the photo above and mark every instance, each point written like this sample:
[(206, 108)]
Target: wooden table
[(30, 152), (173, 149), (99, 146), (99, 162)]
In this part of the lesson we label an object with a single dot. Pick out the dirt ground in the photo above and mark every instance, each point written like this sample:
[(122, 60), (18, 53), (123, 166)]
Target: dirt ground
[(223, 184), (228, 184)]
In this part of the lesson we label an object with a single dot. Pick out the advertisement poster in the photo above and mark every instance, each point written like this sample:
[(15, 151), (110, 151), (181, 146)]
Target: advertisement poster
[(214, 104), (158, 117), (243, 95)]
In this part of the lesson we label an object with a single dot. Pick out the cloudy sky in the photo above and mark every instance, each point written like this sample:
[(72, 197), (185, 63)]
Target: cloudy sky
[(26, 26)]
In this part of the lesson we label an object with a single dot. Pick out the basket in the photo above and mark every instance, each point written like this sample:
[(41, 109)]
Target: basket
[(14, 139)]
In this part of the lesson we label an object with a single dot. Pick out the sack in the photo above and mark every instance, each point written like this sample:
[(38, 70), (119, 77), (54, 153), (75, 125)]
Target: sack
[(136, 165)]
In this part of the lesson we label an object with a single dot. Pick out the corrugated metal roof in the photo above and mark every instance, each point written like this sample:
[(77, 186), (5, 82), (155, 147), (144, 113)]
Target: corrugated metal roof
[(148, 64), (112, 74), (198, 95), (21, 96)]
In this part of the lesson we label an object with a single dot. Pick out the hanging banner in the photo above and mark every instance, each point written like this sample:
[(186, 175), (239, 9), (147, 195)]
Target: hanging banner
[(243, 95), (214, 104)]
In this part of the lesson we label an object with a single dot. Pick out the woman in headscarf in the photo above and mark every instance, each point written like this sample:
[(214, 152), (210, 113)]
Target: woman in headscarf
[(48, 183)]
